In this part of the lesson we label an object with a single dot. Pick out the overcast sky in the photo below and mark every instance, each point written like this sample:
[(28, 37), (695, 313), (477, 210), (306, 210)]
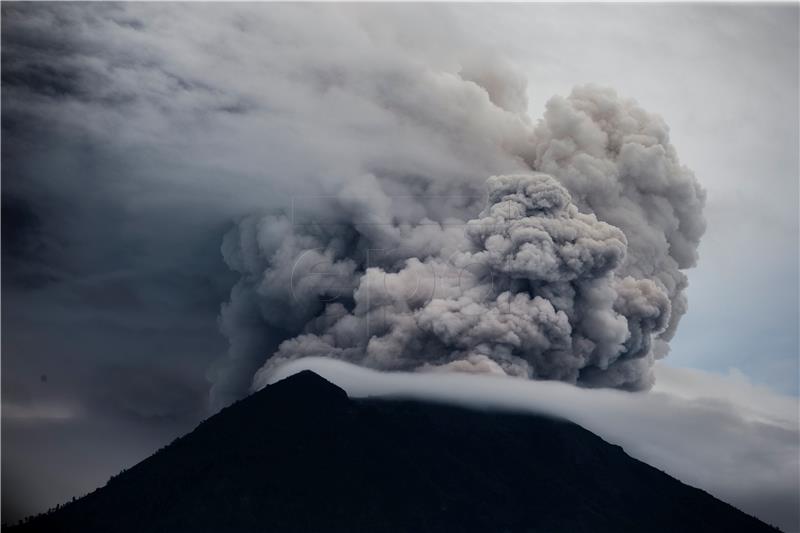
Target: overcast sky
[(136, 136)]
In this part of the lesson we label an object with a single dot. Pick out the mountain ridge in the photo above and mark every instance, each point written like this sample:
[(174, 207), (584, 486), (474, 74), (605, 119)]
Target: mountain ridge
[(300, 455)]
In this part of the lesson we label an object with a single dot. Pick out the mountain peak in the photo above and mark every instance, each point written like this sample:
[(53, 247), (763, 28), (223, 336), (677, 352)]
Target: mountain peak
[(304, 386)]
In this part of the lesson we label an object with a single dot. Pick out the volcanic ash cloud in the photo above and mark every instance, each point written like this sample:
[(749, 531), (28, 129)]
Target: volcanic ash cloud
[(571, 271), (532, 291)]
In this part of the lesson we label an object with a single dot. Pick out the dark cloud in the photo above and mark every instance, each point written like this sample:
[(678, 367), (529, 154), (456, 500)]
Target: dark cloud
[(23, 247)]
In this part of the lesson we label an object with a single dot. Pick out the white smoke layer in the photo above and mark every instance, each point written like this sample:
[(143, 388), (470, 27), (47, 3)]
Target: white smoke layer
[(571, 271)]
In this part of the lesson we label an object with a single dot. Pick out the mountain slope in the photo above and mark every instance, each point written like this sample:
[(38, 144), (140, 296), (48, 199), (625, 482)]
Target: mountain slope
[(301, 456)]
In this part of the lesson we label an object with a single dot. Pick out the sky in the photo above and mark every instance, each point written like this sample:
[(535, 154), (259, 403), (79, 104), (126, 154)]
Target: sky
[(135, 137)]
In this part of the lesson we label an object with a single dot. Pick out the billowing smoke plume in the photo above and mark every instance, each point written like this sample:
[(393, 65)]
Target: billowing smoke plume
[(570, 268)]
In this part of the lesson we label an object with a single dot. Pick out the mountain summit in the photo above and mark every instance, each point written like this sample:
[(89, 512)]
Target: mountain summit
[(300, 455)]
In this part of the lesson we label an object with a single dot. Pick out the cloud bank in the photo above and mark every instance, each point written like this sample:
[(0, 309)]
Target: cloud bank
[(738, 441)]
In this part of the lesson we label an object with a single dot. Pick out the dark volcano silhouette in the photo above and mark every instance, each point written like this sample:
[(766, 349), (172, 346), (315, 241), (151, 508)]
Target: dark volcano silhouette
[(302, 456)]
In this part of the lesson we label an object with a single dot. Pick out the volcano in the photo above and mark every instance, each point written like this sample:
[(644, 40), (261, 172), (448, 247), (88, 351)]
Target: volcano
[(300, 455)]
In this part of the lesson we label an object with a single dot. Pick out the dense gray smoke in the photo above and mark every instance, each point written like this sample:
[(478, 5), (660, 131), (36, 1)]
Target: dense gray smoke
[(570, 269)]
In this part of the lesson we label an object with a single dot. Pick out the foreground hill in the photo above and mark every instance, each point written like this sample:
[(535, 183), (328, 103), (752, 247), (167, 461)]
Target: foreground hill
[(302, 456)]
